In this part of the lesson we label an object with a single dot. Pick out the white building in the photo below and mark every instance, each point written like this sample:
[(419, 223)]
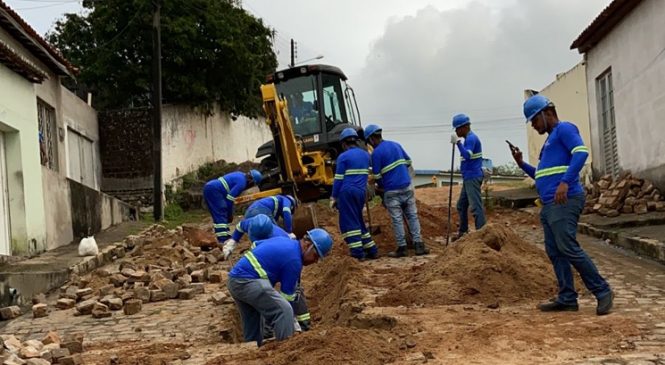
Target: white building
[(624, 50)]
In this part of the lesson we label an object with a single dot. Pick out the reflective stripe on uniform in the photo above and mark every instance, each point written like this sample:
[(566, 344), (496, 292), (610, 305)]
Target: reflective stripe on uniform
[(339, 177), (222, 234), (357, 244), (274, 210), (220, 225), (303, 317), (551, 171), (256, 265), (477, 155), (226, 185), (351, 233), (366, 235), (580, 149), (230, 198), (288, 297), (369, 244), (377, 176), (401, 161), (252, 246), (239, 228), (356, 172)]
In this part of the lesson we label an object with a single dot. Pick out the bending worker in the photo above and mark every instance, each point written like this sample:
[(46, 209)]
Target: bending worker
[(472, 174), (220, 194), (558, 183), (349, 194), (390, 165), (278, 206), (252, 280)]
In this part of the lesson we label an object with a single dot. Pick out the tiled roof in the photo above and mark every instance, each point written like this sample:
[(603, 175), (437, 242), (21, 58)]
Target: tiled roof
[(603, 24)]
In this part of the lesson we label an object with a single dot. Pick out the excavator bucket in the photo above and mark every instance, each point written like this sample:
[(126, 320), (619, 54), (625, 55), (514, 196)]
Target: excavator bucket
[(304, 219)]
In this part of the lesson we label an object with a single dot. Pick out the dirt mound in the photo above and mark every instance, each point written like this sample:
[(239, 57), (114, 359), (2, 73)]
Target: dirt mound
[(489, 266), (134, 352), (336, 345)]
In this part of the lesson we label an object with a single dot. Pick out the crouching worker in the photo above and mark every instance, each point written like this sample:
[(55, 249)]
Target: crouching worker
[(275, 260)]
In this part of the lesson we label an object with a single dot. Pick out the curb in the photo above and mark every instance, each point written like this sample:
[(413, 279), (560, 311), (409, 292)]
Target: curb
[(646, 247)]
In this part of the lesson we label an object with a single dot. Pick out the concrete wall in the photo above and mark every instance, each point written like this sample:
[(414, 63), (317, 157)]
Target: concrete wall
[(82, 118), (18, 120), (634, 51), (569, 94), (190, 139)]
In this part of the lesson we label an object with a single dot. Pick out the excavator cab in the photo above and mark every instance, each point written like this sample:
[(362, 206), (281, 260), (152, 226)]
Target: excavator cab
[(320, 105)]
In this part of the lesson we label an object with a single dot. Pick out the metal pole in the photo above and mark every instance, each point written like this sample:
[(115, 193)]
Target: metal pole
[(450, 192), (293, 53), (158, 211)]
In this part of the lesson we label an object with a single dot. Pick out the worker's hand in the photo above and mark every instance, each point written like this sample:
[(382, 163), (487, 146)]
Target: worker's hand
[(453, 138), (561, 195), (293, 236), (296, 326), (517, 155), (229, 245), (333, 203)]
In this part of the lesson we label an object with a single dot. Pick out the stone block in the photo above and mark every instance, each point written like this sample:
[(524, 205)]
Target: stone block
[(82, 293), (132, 306), (39, 310), (51, 338), (142, 293), (115, 304), (640, 207), (71, 360), (37, 361), (10, 312), (85, 307), (168, 287), (215, 277), (117, 280), (218, 298), (59, 353), (186, 294), (157, 296), (65, 303), (199, 276), (100, 310), (199, 288)]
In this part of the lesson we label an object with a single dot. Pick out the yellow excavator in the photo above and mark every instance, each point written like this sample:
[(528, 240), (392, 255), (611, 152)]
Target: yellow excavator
[(306, 108)]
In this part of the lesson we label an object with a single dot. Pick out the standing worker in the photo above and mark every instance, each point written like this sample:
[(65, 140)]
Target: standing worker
[(276, 260), (220, 194), (348, 195), (278, 206), (472, 174), (558, 184), (390, 167)]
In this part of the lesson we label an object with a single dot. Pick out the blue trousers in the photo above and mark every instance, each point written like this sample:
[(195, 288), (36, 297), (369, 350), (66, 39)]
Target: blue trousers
[(470, 195), (350, 203), (220, 208), (560, 227)]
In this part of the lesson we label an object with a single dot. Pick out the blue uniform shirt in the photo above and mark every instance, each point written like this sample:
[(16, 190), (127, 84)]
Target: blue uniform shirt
[(279, 205), (277, 231), (234, 183), (561, 159), (472, 157), (277, 259), (352, 170), (390, 166)]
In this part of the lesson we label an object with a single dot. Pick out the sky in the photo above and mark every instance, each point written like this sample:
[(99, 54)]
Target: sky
[(414, 64)]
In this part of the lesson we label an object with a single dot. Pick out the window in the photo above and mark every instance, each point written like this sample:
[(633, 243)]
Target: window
[(333, 101), (605, 92), (48, 142), (300, 94), (81, 158)]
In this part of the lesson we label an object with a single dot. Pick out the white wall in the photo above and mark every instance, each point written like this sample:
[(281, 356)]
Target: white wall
[(634, 50), (190, 139)]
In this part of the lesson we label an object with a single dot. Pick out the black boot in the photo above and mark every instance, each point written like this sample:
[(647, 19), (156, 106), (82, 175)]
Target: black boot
[(400, 252), (421, 249)]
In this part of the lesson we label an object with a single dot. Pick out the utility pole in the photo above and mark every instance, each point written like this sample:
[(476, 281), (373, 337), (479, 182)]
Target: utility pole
[(293, 53), (158, 211)]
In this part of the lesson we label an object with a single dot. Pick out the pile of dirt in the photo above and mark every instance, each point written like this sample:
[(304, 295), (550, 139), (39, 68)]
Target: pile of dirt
[(134, 353), (335, 345), (490, 266)]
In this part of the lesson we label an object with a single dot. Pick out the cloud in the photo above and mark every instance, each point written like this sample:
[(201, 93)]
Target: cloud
[(475, 59)]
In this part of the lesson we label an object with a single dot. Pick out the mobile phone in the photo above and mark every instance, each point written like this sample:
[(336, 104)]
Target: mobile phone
[(512, 147)]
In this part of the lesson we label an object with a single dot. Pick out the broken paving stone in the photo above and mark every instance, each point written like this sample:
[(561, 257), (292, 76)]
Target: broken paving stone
[(186, 294), (13, 359), (81, 293), (218, 298), (142, 293), (28, 352), (416, 357), (71, 360), (215, 277), (59, 353), (199, 288), (39, 310), (37, 345), (115, 304), (167, 286), (37, 362), (106, 290), (199, 276), (132, 306), (70, 292), (100, 310), (73, 346), (65, 303), (51, 338), (157, 296), (184, 281), (117, 280), (39, 298), (10, 312), (217, 252), (85, 307), (12, 343)]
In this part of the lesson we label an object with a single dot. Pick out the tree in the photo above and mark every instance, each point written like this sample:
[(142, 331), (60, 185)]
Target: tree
[(509, 169), (212, 51)]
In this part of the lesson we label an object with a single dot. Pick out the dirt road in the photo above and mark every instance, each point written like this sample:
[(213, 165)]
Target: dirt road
[(473, 302)]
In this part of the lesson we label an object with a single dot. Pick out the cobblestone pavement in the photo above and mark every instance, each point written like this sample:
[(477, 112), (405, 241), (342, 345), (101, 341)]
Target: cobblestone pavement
[(195, 324)]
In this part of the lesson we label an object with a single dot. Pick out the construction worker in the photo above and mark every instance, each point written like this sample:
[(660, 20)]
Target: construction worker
[(278, 206), (252, 280), (261, 228), (472, 174), (390, 167), (220, 194), (349, 194), (558, 184)]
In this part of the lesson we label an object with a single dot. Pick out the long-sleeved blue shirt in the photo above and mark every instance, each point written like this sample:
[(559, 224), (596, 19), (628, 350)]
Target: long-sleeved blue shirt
[(390, 166), (277, 231), (352, 170), (472, 157), (277, 259), (561, 159), (279, 205), (234, 183)]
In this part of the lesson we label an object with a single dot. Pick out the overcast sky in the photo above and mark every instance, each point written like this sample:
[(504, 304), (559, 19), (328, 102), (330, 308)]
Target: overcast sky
[(414, 64)]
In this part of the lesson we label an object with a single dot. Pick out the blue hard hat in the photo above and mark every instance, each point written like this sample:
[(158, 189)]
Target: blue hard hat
[(535, 105), (256, 176), (348, 133), (371, 129), (460, 120), (293, 201), (260, 227), (321, 240)]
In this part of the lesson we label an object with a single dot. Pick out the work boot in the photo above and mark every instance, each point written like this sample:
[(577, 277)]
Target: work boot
[(400, 252), (605, 304), (371, 255), (421, 249), (457, 236), (558, 307)]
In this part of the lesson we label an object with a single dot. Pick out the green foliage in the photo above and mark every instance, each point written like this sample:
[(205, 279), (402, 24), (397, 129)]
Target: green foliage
[(212, 51)]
